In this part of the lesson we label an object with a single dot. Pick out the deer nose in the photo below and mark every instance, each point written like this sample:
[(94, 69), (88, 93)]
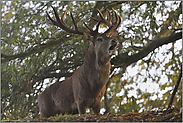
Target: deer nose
[(114, 41)]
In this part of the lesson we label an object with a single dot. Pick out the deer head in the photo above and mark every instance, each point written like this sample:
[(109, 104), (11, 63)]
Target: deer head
[(103, 44)]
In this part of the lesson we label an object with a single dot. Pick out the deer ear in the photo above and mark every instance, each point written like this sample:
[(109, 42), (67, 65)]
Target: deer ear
[(114, 34), (87, 35)]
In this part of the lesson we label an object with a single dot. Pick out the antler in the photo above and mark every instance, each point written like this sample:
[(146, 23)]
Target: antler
[(112, 27), (60, 23)]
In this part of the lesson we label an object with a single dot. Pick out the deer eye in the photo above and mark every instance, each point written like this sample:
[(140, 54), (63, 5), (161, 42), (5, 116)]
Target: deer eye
[(99, 39)]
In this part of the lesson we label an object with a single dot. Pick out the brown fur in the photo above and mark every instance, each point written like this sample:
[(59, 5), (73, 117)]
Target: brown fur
[(84, 89)]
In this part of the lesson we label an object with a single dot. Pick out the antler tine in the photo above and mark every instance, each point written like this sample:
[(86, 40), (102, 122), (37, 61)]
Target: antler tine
[(87, 26), (118, 22), (97, 27), (62, 18), (60, 22), (76, 27), (101, 15), (116, 15), (109, 15), (94, 18)]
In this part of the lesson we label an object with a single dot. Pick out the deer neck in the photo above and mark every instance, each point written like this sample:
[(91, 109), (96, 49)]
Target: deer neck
[(93, 61), (96, 72)]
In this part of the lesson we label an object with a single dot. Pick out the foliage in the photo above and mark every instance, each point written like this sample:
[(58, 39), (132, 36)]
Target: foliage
[(35, 54)]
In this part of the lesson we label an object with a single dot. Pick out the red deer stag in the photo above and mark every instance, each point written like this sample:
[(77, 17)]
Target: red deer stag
[(85, 88)]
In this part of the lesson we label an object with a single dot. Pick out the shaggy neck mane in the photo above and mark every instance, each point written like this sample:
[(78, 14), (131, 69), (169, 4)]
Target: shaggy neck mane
[(90, 59)]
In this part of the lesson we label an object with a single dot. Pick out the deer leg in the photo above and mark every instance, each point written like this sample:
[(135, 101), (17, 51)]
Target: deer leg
[(47, 113), (81, 108), (96, 108)]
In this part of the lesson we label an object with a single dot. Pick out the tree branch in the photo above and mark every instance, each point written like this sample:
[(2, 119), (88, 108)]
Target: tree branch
[(173, 16), (52, 75), (36, 49), (123, 60), (175, 89)]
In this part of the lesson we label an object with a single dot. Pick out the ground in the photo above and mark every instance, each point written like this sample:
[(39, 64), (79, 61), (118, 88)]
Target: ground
[(170, 115)]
